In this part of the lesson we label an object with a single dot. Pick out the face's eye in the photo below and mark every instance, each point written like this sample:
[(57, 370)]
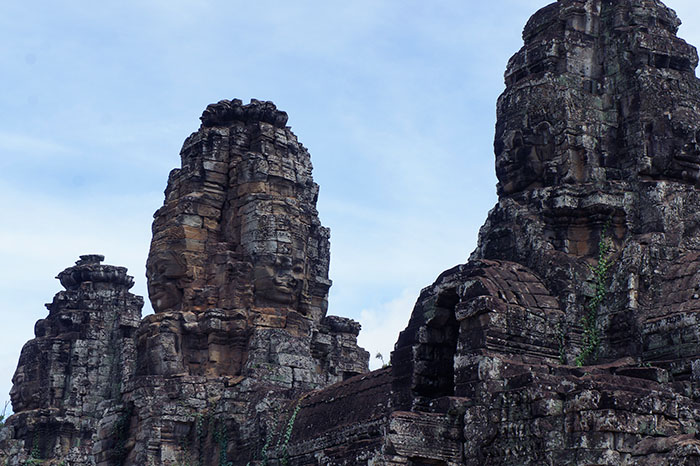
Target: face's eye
[(284, 261), (681, 131)]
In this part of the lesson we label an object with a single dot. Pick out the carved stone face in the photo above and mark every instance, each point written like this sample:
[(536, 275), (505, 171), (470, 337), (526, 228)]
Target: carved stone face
[(521, 157), (674, 148), (17, 382), (24, 394), (686, 152), (278, 279), (164, 272)]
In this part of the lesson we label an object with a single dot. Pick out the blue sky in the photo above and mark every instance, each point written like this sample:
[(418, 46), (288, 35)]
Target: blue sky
[(394, 99)]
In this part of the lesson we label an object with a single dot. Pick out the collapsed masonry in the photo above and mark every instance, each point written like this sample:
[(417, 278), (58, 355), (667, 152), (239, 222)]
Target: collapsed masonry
[(570, 337)]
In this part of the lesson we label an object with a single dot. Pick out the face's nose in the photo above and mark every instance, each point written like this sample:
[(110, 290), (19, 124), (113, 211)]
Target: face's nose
[(286, 275), (14, 391)]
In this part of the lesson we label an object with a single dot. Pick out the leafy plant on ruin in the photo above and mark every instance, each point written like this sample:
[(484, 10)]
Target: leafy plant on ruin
[(283, 439), (36, 452), (200, 437), (120, 432), (589, 322), (561, 330), (268, 442), (207, 427), (221, 439), (35, 455), (3, 414), (186, 456), (380, 356), (288, 434)]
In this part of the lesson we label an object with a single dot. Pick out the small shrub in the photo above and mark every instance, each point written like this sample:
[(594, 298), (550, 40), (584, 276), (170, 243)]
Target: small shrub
[(589, 322)]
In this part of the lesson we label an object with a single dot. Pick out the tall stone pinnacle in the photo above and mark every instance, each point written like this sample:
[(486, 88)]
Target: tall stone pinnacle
[(238, 278), (242, 206), (596, 140), (601, 91), (238, 252), (79, 360)]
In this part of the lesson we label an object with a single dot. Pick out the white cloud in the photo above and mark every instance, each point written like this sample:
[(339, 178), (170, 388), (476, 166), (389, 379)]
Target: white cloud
[(31, 145), (381, 325)]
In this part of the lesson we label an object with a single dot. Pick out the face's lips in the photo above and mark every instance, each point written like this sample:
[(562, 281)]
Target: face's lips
[(689, 166), (156, 292), (688, 163), (689, 157), (284, 287)]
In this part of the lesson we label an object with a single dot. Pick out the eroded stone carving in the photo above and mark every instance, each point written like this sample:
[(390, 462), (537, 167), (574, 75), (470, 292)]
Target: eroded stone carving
[(164, 272), (239, 233), (278, 279), (672, 148), (521, 159), (238, 279), (595, 145)]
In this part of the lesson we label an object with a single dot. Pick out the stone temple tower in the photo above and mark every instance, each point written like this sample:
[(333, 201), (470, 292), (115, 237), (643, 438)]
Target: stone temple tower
[(238, 278), (239, 259), (76, 367), (571, 336)]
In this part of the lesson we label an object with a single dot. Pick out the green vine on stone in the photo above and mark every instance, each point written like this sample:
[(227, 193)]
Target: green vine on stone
[(589, 322), (283, 437), (268, 442), (120, 431), (35, 455), (561, 340), (199, 427), (36, 452), (288, 435), (221, 438)]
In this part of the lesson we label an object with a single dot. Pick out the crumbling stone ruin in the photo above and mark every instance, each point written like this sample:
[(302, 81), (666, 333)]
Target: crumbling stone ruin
[(76, 367), (570, 337)]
